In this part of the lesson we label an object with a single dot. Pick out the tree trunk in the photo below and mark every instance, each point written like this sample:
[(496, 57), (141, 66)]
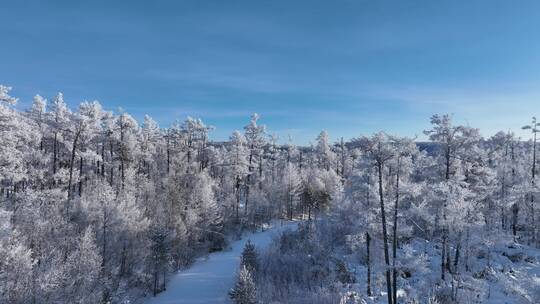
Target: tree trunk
[(168, 155), (103, 159), (385, 235), (289, 198), (112, 162), (395, 239), (447, 157), (247, 199), (342, 160), (122, 154), (456, 256), (443, 253), (448, 258), (503, 200), (104, 245), (80, 175), (156, 276), (467, 237), (533, 224), (237, 199), (368, 241), (122, 171), (71, 163), (515, 211), (55, 143)]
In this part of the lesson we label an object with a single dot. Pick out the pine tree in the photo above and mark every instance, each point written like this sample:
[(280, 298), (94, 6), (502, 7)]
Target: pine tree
[(249, 257), (244, 291)]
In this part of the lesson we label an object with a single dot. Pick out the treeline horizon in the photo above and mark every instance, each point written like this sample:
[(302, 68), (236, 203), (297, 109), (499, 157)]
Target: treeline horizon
[(284, 142)]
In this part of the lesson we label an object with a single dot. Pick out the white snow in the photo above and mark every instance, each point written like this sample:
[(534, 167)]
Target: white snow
[(209, 279)]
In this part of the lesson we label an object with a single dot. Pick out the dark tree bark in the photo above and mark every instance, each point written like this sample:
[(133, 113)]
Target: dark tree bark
[(55, 149), (385, 234), (80, 175), (104, 245), (368, 251), (443, 253), (342, 160), (394, 237), (111, 177), (533, 224), (168, 152), (103, 159), (72, 161), (457, 253), (237, 187)]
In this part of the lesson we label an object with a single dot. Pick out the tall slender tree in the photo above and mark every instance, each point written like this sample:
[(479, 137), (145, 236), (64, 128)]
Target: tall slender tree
[(378, 149)]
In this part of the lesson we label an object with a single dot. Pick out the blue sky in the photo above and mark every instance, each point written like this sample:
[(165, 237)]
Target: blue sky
[(350, 67)]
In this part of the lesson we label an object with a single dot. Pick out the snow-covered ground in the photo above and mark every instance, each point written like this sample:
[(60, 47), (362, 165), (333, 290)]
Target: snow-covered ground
[(209, 279)]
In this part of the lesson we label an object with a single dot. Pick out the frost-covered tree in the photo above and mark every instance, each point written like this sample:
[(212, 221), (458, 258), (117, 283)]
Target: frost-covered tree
[(454, 141), (16, 264), (59, 121), (244, 291), (126, 134), (404, 150), (15, 135), (5, 97), (535, 128), (291, 183), (159, 257), (249, 257), (325, 155), (100, 206), (82, 269), (150, 143), (38, 113), (255, 136), (378, 149), (238, 164), (196, 138)]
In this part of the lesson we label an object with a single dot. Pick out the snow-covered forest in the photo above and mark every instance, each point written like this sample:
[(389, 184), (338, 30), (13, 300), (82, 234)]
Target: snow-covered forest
[(97, 207)]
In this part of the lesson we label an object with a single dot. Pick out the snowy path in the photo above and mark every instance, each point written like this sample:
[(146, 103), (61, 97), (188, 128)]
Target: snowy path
[(209, 279)]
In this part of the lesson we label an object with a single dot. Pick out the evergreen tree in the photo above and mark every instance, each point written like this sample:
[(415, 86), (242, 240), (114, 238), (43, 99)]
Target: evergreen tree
[(244, 290), (249, 257)]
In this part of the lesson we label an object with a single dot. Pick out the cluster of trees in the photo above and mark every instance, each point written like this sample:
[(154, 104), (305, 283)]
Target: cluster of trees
[(97, 207), (459, 195)]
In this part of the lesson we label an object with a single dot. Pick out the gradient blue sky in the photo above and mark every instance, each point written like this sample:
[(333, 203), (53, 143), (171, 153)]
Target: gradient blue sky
[(350, 67)]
